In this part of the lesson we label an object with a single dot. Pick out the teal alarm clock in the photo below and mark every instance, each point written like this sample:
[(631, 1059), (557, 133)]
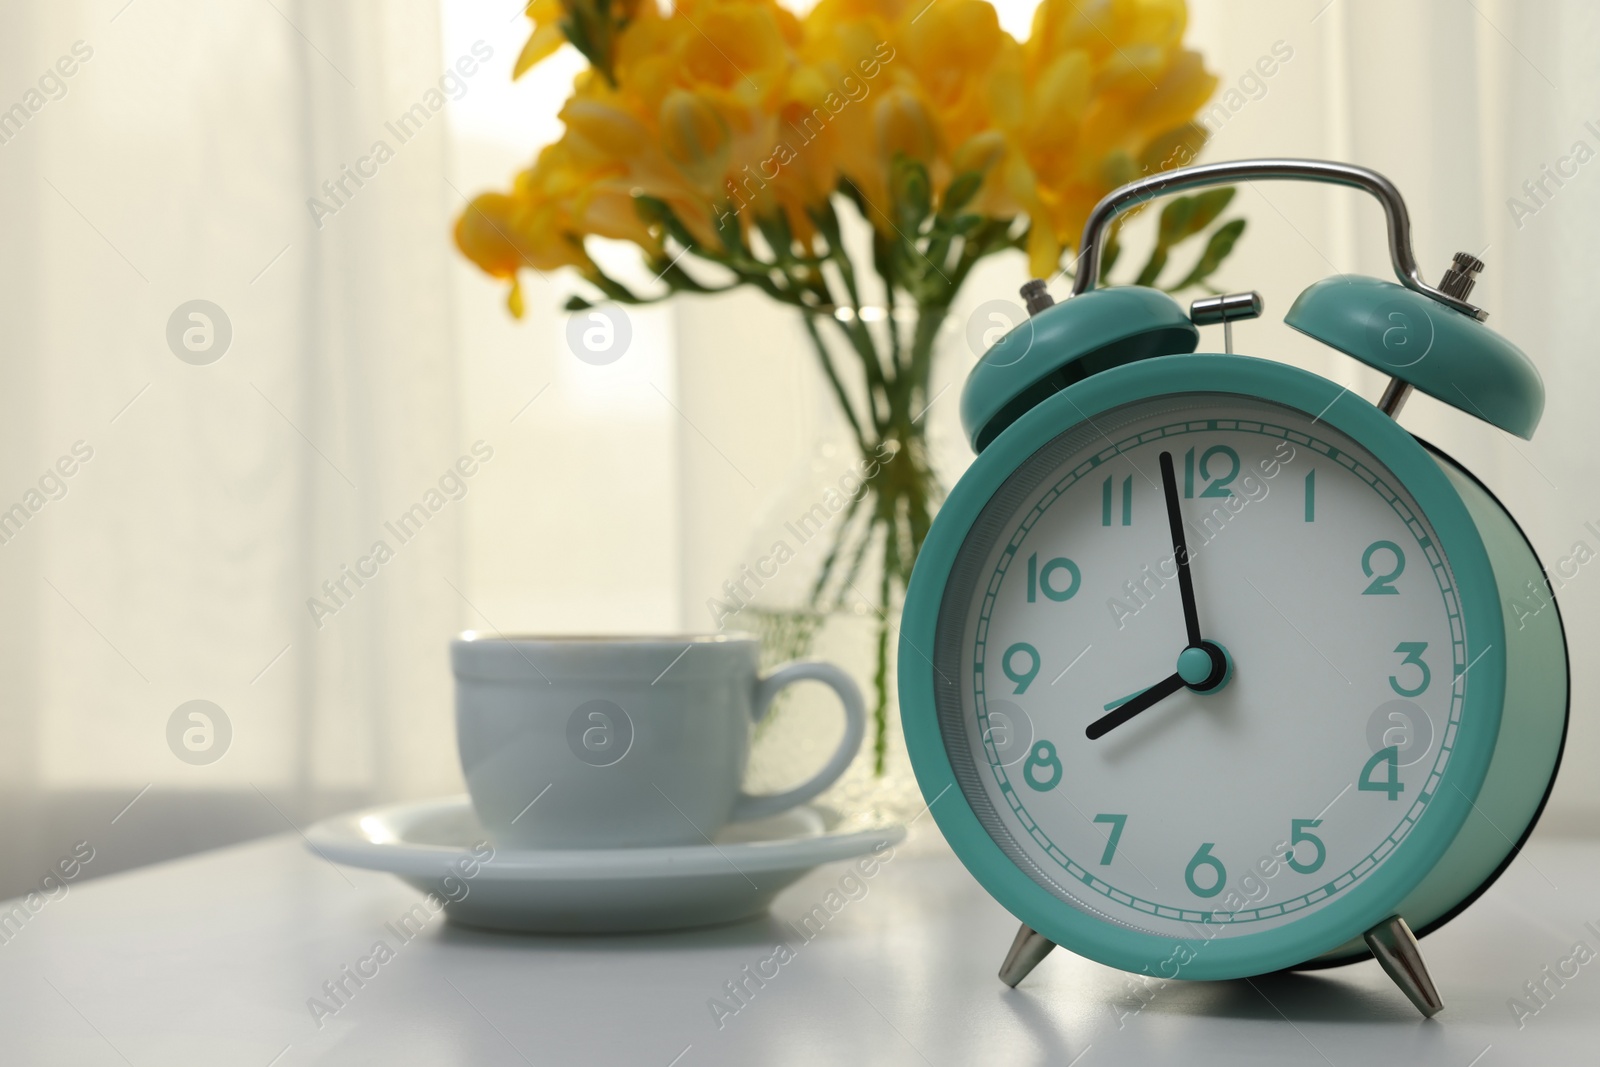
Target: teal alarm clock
[(1210, 668)]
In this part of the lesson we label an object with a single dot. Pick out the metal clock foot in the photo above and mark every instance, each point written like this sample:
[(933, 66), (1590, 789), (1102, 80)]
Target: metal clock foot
[(1028, 948), (1393, 943)]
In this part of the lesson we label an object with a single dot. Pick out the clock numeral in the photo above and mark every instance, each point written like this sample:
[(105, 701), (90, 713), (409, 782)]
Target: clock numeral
[(1127, 501), (1219, 487), (1311, 497), (1392, 785), (1297, 834), (1204, 858), (1413, 651), (1023, 679), (1116, 822), (1043, 757), (1044, 579), (1382, 584)]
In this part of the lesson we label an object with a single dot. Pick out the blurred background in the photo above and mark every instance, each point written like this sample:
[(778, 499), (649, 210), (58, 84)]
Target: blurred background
[(348, 357)]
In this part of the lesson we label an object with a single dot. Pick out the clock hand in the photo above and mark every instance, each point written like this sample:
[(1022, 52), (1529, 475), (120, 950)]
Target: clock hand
[(1203, 668), (1180, 550), (1203, 665), (1149, 698)]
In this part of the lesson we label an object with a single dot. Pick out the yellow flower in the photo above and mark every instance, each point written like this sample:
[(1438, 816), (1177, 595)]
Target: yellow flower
[(603, 129), (734, 46), (694, 136), (1102, 81), (696, 117), (547, 36), (484, 235), (739, 109), (596, 27), (904, 127), (952, 49)]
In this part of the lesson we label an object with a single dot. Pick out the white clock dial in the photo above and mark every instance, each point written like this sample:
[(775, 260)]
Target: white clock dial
[(1241, 809)]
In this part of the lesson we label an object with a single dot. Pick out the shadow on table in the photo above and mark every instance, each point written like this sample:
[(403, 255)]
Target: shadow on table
[(761, 931), (1283, 996), (1287, 995)]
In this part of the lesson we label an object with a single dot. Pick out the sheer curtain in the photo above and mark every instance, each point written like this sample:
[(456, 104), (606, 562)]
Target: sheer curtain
[(164, 153), (287, 506)]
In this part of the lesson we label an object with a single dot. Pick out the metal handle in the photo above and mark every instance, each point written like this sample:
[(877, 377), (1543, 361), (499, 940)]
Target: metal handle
[(1311, 170)]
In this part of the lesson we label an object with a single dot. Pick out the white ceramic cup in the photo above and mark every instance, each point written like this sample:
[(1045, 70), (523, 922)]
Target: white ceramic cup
[(608, 742)]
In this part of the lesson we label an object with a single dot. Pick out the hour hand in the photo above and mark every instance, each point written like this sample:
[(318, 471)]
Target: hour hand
[(1121, 714)]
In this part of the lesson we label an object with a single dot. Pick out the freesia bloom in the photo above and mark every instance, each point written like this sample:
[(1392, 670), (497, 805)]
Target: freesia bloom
[(740, 110)]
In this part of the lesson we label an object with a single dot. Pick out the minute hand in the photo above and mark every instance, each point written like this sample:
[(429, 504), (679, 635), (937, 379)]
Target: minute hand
[(1150, 697), (1180, 550)]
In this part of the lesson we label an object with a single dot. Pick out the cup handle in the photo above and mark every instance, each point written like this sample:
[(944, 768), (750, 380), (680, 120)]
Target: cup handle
[(755, 806)]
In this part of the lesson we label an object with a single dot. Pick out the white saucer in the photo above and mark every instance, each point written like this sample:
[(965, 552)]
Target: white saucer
[(593, 890)]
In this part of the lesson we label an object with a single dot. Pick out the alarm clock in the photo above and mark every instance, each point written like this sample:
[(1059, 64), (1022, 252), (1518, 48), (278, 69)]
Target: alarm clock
[(1210, 668)]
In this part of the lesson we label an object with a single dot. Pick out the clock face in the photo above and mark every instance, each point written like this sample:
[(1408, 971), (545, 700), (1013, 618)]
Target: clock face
[(1266, 799)]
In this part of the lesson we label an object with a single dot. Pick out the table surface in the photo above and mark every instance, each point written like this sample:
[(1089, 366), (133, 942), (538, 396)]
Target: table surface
[(214, 960)]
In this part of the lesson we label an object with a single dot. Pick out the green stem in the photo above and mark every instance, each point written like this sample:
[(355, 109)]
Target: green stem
[(880, 683), (849, 580), (832, 374), (832, 557)]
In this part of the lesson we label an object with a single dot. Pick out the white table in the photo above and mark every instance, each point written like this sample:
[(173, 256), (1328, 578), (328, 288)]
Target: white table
[(211, 961)]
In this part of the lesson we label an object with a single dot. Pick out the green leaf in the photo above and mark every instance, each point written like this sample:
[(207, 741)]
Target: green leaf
[(1187, 216), (960, 193), (576, 30), (1113, 249), (775, 228), (993, 235), (1218, 248), (593, 28), (1182, 218), (827, 222), (912, 193), (577, 303), (1175, 221), (679, 280), (1208, 207), (855, 196), (1154, 265), (731, 236), (656, 212), (652, 210), (962, 226), (882, 254)]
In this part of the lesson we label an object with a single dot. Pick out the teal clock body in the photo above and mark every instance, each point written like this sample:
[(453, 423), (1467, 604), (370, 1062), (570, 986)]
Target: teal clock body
[(1208, 667)]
